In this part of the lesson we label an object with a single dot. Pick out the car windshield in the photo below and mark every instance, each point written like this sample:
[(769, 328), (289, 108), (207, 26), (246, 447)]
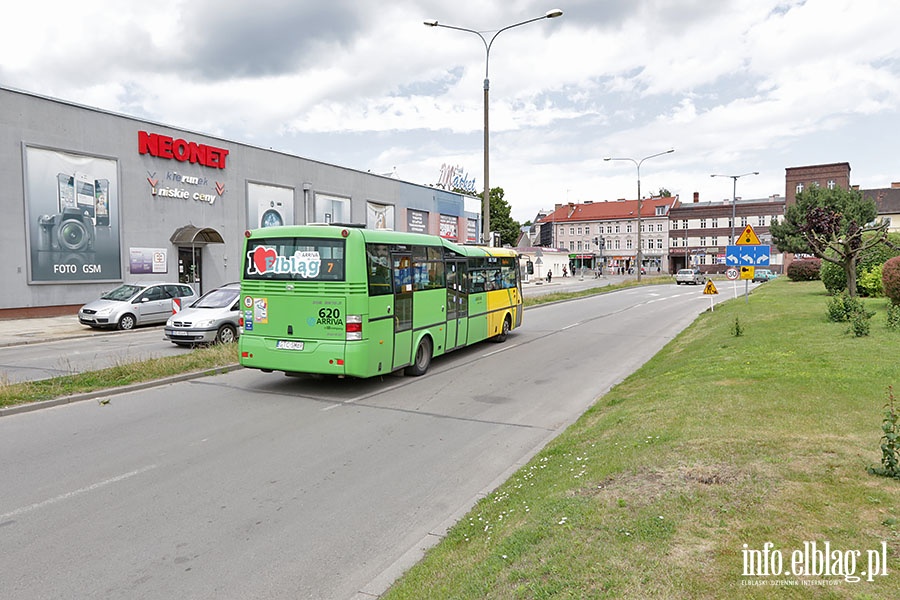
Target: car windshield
[(685, 272), (122, 293), (217, 298)]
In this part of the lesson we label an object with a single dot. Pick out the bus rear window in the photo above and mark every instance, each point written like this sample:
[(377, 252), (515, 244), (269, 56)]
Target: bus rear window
[(295, 259)]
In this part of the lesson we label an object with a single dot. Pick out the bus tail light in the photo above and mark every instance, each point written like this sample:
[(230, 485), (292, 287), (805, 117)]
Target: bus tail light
[(353, 327)]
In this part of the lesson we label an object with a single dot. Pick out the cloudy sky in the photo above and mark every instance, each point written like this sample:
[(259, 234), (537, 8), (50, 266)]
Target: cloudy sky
[(732, 85)]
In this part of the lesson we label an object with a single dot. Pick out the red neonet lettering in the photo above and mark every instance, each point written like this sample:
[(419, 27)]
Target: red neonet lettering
[(163, 146)]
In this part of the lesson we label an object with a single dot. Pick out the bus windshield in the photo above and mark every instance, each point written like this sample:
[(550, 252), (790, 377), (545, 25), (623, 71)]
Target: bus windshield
[(295, 259)]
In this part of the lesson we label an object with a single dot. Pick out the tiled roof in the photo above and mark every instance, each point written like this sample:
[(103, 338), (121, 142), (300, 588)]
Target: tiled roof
[(618, 209)]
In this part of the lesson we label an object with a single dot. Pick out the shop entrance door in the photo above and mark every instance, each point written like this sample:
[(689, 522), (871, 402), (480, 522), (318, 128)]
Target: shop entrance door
[(189, 268)]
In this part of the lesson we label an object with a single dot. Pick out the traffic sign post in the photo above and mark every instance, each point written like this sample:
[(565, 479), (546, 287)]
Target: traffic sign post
[(748, 253), (710, 290)]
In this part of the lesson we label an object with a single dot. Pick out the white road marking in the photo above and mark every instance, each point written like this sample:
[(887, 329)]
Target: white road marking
[(66, 496)]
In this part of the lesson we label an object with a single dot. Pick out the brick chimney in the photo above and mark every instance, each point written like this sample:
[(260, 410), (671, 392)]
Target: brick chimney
[(696, 196)]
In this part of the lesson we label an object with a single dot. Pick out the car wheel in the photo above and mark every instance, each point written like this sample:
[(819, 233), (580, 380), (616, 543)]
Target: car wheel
[(127, 322), (422, 359), (226, 334)]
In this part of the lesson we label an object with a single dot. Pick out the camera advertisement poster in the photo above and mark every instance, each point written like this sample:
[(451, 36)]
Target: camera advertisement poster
[(72, 215)]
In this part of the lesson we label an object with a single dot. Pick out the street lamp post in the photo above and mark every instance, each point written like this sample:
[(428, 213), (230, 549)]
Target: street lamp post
[(734, 197), (637, 163), (486, 199)]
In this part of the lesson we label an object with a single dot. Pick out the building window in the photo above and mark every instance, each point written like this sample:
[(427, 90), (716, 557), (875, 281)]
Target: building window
[(571, 231), (659, 227), (674, 224), (660, 211), (831, 184), (715, 241), (760, 221), (684, 224), (703, 242), (659, 244), (715, 223), (743, 221), (609, 229), (579, 245), (628, 228), (617, 245), (702, 223), (799, 187), (628, 244), (617, 228), (579, 231)]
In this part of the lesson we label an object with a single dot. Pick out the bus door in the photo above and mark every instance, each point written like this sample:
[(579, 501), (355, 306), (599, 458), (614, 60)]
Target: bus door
[(457, 303), (401, 271)]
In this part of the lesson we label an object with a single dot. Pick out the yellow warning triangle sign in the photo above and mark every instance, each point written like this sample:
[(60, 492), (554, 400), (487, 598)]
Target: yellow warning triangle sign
[(710, 288), (748, 237)]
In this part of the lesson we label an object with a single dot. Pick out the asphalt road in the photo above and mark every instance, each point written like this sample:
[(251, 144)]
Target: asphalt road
[(88, 352), (253, 485)]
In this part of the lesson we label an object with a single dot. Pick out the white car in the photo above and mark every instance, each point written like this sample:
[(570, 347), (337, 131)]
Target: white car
[(133, 304), (692, 276), (214, 318)]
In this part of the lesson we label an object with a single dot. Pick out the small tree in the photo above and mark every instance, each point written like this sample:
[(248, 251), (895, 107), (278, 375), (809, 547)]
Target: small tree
[(831, 224)]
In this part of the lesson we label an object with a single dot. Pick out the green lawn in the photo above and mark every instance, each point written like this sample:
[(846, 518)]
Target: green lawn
[(716, 447)]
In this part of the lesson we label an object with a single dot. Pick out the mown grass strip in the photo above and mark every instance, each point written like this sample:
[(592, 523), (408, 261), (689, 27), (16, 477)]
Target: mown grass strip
[(126, 373), (717, 442)]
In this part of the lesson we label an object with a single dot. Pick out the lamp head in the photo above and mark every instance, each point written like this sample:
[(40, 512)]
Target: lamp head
[(431, 22), (552, 14)]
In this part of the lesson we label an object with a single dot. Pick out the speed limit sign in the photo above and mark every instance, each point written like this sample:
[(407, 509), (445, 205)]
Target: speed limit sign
[(731, 273)]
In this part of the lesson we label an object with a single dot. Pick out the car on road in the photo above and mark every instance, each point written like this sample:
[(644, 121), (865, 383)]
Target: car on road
[(692, 276), (763, 275), (214, 318), (133, 304)]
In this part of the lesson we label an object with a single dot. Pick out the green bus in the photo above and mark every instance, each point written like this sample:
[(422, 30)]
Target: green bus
[(347, 301)]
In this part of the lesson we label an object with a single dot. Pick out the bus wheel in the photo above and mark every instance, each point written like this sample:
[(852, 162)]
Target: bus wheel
[(422, 359), (501, 337)]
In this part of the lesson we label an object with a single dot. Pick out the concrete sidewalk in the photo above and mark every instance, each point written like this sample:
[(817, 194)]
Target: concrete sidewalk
[(14, 332)]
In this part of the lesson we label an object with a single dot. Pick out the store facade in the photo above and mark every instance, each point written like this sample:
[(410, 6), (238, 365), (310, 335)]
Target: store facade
[(94, 198)]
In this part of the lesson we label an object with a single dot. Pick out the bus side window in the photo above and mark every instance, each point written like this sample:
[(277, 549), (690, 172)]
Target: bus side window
[(378, 263)]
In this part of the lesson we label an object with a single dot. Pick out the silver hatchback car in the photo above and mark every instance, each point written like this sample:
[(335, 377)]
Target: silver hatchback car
[(215, 317), (133, 304)]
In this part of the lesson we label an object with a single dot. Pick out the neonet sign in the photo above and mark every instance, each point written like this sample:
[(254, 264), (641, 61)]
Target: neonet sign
[(164, 146)]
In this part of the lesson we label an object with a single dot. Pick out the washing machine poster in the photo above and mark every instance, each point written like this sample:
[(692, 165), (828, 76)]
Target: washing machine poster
[(269, 205), (72, 217)]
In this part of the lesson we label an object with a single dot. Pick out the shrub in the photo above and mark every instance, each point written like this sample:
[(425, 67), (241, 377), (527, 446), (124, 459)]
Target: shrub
[(869, 282), (890, 279), (806, 269), (859, 324), (833, 277), (840, 306), (893, 316), (890, 441)]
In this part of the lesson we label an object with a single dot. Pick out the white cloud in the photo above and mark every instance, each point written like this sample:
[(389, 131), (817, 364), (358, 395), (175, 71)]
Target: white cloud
[(734, 86)]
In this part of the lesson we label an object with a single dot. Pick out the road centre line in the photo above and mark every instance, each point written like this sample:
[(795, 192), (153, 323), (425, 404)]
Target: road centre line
[(72, 494)]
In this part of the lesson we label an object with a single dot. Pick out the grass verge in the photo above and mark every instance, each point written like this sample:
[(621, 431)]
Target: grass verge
[(126, 373), (720, 445)]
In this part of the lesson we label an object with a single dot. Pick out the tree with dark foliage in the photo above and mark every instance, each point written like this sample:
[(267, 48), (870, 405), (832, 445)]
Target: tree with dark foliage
[(835, 225)]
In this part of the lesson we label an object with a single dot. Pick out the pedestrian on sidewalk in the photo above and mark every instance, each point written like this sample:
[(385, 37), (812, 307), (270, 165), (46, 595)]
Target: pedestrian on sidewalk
[(549, 275)]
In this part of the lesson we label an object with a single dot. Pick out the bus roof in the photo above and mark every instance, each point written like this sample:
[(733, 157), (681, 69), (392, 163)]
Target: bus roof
[(378, 236)]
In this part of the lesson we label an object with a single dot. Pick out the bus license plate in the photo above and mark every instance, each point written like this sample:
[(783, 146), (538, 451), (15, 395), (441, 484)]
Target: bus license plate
[(288, 345)]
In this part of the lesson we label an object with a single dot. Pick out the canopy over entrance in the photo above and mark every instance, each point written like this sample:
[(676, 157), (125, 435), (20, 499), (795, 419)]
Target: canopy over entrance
[(189, 235)]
